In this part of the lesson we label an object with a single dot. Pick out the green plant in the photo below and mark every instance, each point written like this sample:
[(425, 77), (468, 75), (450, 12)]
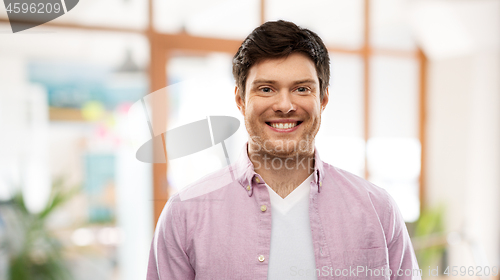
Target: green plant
[(35, 253), (430, 234)]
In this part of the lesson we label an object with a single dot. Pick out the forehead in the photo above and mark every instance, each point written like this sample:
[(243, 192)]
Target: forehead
[(295, 67)]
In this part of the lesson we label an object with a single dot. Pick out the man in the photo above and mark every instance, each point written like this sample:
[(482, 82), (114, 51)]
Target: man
[(286, 214)]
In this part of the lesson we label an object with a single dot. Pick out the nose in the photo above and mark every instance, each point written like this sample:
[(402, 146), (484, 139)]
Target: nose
[(283, 102)]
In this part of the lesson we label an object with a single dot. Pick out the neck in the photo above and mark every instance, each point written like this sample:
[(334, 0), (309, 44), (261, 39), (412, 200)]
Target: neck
[(282, 174)]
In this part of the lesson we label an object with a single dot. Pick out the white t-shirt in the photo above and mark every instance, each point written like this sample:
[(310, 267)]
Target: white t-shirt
[(292, 251)]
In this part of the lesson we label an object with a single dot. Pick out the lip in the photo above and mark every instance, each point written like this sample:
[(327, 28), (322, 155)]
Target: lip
[(287, 130), (283, 121)]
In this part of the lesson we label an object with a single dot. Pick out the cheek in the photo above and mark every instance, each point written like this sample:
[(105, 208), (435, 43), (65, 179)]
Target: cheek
[(313, 110), (254, 110)]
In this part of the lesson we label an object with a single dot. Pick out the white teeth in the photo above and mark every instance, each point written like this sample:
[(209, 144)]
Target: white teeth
[(283, 125)]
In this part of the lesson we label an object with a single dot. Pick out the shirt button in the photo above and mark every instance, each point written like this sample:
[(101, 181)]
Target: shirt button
[(263, 208), (257, 180), (248, 187), (261, 258), (320, 184)]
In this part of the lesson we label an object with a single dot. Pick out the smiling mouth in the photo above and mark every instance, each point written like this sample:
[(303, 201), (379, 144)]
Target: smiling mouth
[(283, 125)]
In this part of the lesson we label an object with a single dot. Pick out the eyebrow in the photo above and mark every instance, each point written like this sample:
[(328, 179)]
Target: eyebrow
[(263, 81)]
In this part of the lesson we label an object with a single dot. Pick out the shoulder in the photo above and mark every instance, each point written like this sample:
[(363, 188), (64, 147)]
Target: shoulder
[(207, 185), (359, 191), (205, 194), (352, 184), (195, 199)]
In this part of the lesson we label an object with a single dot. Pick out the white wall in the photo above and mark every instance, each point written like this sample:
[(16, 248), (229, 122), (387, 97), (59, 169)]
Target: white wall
[(463, 160)]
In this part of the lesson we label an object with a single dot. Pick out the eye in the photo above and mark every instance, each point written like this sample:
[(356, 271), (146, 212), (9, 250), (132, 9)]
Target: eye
[(303, 89), (265, 89)]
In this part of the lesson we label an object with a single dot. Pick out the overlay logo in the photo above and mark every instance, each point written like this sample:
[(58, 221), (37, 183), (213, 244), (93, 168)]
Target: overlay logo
[(189, 139), (25, 14), (161, 145)]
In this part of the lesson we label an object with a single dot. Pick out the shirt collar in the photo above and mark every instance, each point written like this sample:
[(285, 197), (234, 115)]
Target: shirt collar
[(247, 177)]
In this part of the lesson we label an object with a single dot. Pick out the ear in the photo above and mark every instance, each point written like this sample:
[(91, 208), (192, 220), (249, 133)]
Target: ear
[(325, 100), (240, 103)]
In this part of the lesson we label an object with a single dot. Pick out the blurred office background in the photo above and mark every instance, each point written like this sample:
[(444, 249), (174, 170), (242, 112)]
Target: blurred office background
[(414, 107)]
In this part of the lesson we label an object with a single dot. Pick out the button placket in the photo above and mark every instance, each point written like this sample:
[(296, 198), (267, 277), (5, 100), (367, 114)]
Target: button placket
[(261, 195)]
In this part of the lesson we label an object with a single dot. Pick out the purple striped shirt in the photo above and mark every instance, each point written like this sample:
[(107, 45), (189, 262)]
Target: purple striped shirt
[(217, 228)]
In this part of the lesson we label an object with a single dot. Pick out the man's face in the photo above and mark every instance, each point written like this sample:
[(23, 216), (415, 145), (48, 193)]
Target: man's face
[(282, 106)]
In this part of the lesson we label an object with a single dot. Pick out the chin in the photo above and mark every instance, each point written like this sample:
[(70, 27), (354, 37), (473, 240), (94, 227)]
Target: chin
[(288, 147), (284, 154)]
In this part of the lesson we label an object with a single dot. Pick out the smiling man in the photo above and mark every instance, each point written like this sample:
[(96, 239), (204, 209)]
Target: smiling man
[(282, 104), (286, 214)]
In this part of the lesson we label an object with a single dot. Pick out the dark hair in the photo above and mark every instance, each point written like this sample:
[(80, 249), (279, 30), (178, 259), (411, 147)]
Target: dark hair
[(277, 39)]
